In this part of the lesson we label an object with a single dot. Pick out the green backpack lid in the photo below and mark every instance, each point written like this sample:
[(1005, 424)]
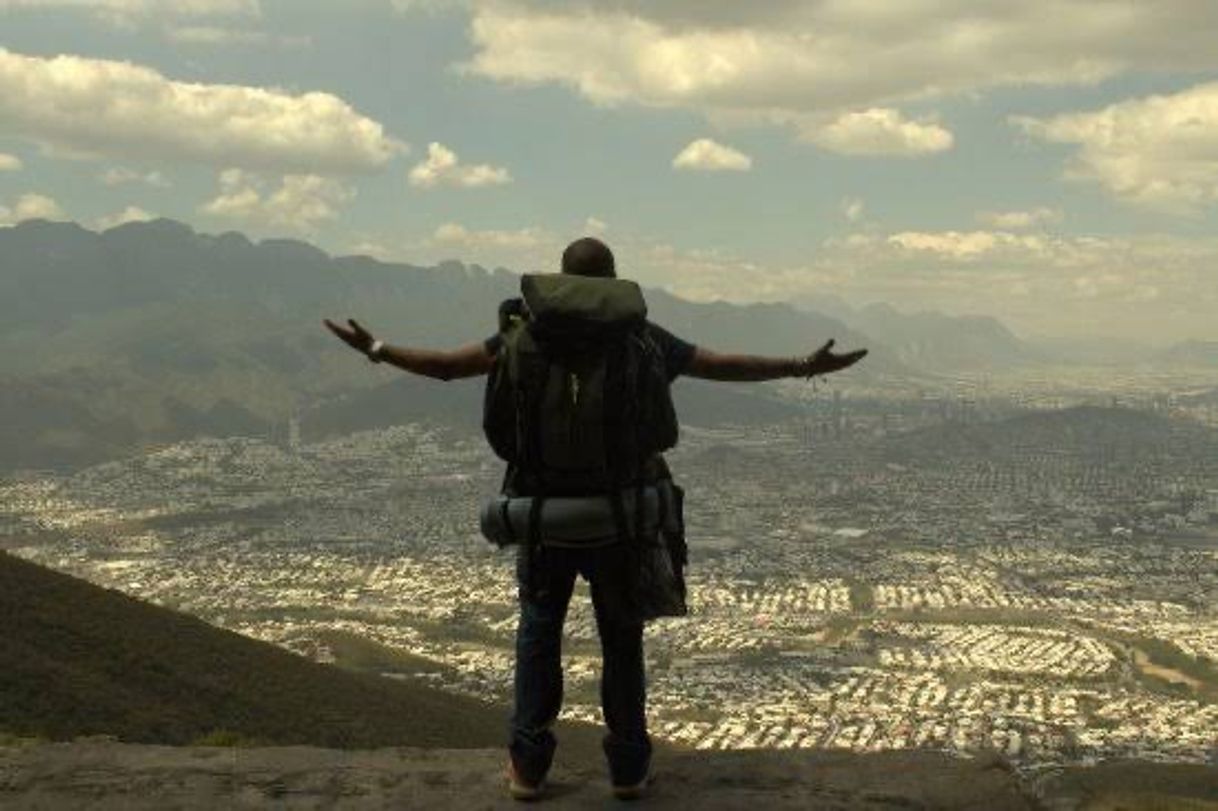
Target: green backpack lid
[(557, 298)]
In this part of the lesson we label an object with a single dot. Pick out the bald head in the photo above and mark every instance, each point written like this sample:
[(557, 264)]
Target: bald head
[(588, 257)]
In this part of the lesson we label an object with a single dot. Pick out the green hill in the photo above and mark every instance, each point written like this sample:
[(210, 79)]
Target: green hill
[(1085, 432), (82, 660)]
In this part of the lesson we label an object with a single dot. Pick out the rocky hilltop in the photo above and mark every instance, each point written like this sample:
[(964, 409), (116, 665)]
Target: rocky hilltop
[(98, 774), (101, 775), (78, 660)]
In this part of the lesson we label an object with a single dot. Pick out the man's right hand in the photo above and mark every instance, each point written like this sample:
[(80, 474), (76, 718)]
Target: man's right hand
[(356, 337)]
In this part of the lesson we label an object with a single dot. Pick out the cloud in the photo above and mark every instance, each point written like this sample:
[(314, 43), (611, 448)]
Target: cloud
[(708, 156), (365, 246), (1019, 220), (964, 245), (31, 207), (128, 214), (300, 203), (879, 131), (1149, 286), (101, 107), (442, 168), (121, 175), (10, 163), (595, 227), (529, 248), (789, 60), (1160, 150), (852, 209), (220, 36), (452, 234)]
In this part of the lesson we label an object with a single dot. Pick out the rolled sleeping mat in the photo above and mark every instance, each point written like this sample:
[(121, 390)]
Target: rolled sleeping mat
[(574, 521)]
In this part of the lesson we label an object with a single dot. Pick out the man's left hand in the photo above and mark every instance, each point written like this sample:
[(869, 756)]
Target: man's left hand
[(825, 360)]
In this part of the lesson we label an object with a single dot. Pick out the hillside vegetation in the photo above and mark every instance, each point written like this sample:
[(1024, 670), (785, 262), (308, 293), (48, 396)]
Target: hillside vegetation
[(82, 660)]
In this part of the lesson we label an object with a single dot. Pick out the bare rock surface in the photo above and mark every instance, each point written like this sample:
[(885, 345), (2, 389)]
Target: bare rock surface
[(103, 774), (108, 775)]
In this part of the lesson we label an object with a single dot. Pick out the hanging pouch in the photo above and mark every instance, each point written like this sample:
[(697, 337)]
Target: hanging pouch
[(660, 591)]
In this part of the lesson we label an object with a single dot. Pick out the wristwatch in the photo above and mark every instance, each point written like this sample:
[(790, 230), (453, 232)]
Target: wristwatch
[(374, 351), (802, 367)]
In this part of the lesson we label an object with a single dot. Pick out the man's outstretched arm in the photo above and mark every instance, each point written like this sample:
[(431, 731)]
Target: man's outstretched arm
[(468, 360), (710, 365)]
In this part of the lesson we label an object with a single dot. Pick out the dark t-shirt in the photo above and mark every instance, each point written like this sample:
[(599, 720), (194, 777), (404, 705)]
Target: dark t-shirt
[(677, 353)]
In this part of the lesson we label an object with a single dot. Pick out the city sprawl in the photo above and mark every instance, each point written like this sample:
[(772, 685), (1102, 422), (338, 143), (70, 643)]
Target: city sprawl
[(849, 587)]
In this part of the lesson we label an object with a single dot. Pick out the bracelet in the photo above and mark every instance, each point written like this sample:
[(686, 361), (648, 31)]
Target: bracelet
[(374, 351)]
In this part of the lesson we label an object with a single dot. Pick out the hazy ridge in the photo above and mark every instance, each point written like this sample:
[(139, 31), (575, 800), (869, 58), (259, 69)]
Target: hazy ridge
[(151, 332)]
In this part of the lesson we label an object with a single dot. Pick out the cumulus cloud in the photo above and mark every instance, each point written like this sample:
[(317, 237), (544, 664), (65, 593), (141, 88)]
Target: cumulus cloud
[(879, 131), (101, 107), (789, 60), (1019, 220), (595, 227), (964, 245), (706, 155), (442, 168), (454, 234), (31, 207), (300, 203), (121, 175), (528, 248), (1156, 287), (1148, 286), (10, 163), (1160, 150), (128, 214), (364, 245)]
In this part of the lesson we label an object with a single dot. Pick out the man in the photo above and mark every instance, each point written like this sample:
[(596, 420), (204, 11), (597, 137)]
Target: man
[(538, 679)]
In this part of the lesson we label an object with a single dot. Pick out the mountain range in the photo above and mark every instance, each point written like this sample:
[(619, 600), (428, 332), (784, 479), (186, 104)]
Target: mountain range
[(152, 332), (931, 341)]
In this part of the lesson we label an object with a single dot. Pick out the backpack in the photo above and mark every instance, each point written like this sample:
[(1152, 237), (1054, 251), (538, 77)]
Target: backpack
[(578, 401)]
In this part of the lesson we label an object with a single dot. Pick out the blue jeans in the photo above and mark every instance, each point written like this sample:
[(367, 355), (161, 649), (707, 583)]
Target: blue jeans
[(539, 669)]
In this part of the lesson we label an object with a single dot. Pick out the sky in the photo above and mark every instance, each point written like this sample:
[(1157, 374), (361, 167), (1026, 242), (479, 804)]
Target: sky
[(1052, 163)]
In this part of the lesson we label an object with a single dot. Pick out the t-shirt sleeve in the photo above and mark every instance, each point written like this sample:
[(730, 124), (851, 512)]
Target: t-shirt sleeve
[(677, 353), (493, 343)]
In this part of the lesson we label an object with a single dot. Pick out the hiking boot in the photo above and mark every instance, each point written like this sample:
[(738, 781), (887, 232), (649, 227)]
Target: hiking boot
[(634, 791), (522, 789)]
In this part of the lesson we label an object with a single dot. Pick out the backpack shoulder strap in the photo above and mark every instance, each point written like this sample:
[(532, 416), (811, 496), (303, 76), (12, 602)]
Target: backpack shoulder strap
[(511, 311)]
